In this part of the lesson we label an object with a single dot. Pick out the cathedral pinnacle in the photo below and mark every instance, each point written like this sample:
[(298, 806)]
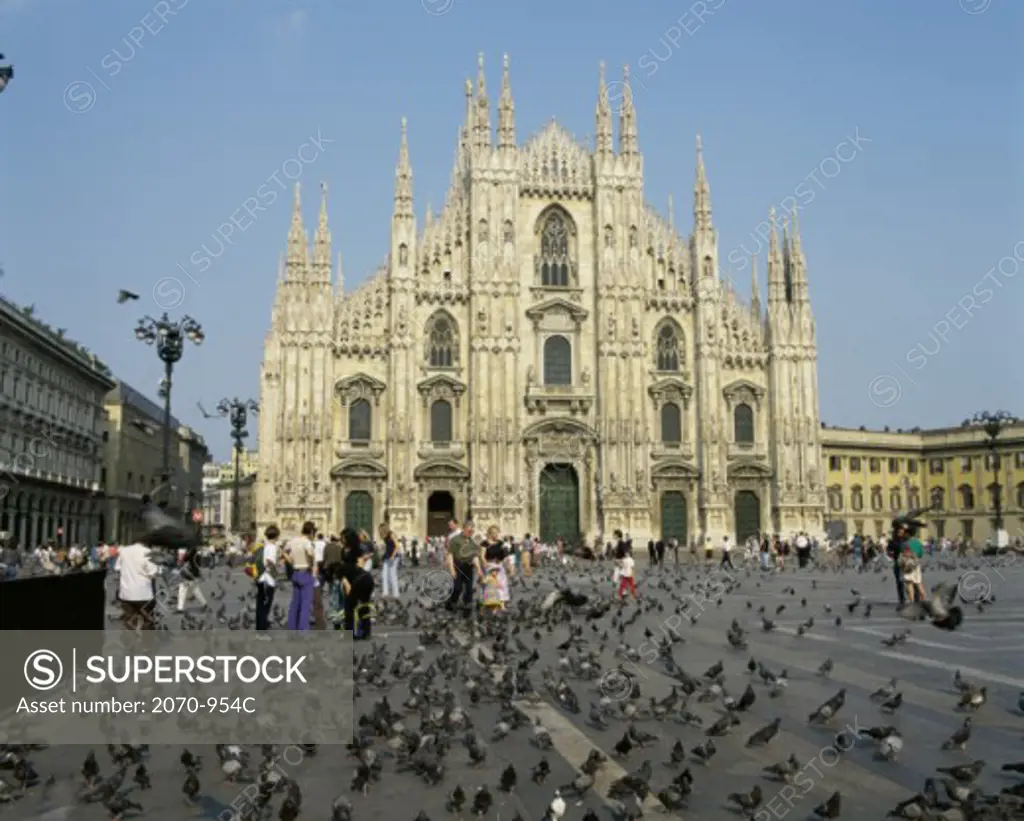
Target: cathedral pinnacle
[(701, 193), (755, 289), (603, 117), (482, 126), (506, 112), (403, 177), (628, 141), (322, 242), (297, 248), (776, 274)]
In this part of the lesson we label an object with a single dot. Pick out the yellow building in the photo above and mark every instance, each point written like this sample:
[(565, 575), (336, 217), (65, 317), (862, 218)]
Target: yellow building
[(873, 475)]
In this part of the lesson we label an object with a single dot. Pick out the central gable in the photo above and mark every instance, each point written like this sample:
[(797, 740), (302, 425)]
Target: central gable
[(554, 164)]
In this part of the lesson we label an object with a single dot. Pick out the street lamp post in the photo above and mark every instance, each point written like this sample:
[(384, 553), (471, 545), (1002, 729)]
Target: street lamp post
[(6, 75), (993, 423), (237, 411), (169, 338)]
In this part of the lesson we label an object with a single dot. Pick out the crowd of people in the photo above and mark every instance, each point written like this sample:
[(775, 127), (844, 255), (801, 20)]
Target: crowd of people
[(332, 581)]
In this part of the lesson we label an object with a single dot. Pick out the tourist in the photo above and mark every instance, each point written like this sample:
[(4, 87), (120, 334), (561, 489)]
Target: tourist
[(726, 553), (493, 596), (675, 550), (526, 556), (463, 561), (625, 572), (803, 549), (189, 584), (766, 553), (910, 567), (266, 576), (895, 551), (319, 545), (135, 586), (389, 563), (333, 555), (659, 551), (356, 585), (493, 556), (299, 557)]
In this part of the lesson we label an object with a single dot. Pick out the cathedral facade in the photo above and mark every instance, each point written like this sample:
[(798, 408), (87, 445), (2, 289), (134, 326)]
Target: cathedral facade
[(546, 354)]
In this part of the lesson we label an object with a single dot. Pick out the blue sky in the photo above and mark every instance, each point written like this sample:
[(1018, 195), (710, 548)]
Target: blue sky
[(202, 109)]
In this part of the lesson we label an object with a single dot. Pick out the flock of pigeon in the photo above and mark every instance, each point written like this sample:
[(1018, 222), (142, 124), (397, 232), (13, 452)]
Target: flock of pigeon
[(461, 714)]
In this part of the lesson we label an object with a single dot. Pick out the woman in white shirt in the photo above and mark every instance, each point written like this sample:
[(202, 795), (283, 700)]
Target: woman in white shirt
[(626, 567), (266, 583)]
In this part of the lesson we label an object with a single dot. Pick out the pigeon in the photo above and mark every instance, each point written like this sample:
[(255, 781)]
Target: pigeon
[(124, 296), (959, 739), (827, 711), (964, 773), (886, 692), (939, 608), (785, 770), (747, 802), (972, 700), (830, 809), (765, 734)]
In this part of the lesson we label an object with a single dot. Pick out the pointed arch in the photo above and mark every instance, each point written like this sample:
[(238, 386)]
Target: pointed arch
[(966, 494), (555, 263), (441, 342), (669, 346)]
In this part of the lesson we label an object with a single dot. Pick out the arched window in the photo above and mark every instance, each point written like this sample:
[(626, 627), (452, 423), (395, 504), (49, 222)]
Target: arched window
[(994, 492), (894, 500), (1020, 496), (359, 422), (557, 361), (671, 424), (743, 424), (835, 498), (668, 349), (966, 497), (556, 240), (442, 346), (441, 422), (939, 498), (857, 498), (914, 498), (876, 498)]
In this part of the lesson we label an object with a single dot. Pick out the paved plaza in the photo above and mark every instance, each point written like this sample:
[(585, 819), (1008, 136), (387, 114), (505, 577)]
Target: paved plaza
[(696, 606)]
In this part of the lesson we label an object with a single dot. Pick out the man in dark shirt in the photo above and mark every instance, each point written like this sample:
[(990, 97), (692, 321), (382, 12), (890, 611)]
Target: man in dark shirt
[(356, 583)]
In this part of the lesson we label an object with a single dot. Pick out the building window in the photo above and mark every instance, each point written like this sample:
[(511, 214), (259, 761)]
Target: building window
[(359, 422), (743, 424), (874, 465), (876, 498), (441, 422), (991, 461), (857, 498), (855, 464), (912, 466), (835, 463), (993, 496), (879, 528), (966, 494), (1018, 459), (967, 528), (669, 348), (835, 498), (1020, 496), (913, 498), (894, 465), (938, 496), (556, 240), (557, 361), (935, 466), (965, 463), (671, 424), (940, 528), (442, 349), (894, 500)]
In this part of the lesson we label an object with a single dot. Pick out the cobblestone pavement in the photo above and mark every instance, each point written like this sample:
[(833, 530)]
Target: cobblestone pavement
[(987, 651)]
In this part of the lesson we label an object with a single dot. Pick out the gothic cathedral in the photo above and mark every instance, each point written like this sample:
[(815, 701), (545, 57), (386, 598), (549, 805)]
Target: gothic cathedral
[(546, 354)]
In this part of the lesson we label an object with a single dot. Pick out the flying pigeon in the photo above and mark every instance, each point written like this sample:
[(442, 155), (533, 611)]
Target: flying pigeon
[(124, 296)]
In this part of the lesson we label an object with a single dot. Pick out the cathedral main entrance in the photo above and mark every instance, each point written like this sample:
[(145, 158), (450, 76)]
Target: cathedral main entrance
[(673, 516), (559, 504), (359, 511), (747, 508), (440, 511)]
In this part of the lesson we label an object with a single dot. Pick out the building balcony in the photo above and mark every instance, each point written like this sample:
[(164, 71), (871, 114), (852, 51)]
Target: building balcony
[(454, 450), (372, 448), (669, 450), (753, 450), (573, 398)]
